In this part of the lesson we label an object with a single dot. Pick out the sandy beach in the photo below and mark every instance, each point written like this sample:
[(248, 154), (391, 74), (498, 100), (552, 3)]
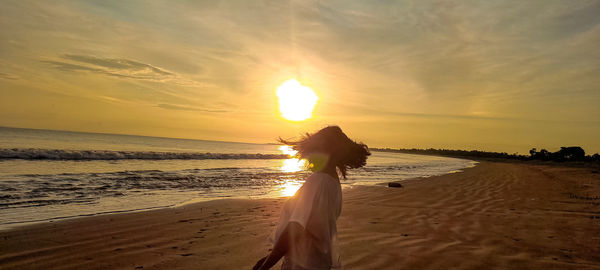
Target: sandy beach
[(492, 216)]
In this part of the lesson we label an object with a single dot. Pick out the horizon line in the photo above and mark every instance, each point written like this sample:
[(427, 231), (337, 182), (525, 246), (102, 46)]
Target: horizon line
[(135, 135)]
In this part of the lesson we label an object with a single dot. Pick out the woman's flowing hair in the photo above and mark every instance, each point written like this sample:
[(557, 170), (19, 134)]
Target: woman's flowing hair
[(334, 145)]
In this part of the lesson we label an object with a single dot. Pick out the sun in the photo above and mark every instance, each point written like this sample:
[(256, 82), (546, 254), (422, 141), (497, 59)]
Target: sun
[(296, 102)]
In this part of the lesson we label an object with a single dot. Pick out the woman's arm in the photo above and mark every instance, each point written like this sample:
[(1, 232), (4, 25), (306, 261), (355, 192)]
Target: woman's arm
[(289, 235)]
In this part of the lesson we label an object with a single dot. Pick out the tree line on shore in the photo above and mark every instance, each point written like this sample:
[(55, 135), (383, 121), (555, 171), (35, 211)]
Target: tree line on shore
[(565, 154)]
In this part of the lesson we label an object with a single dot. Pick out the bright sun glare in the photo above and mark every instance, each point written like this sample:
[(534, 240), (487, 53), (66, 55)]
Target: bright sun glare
[(291, 164), (290, 186), (296, 102)]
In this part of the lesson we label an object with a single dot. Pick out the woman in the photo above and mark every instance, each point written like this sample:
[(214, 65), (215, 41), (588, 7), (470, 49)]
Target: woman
[(306, 234)]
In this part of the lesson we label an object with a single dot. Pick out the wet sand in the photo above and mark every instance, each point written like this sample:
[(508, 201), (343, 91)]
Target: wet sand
[(495, 215)]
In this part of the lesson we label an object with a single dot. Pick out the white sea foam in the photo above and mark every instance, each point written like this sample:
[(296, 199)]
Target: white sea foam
[(57, 154)]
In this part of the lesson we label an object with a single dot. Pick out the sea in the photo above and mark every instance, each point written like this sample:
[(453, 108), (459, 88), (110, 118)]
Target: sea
[(47, 175)]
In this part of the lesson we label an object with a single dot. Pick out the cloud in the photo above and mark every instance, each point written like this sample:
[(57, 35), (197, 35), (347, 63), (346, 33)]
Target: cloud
[(188, 108), (117, 64), (122, 68), (72, 67), (7, 76), (117, 67)]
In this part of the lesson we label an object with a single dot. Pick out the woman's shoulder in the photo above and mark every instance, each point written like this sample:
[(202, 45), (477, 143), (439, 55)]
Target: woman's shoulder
[(320, 177), (319, 180)]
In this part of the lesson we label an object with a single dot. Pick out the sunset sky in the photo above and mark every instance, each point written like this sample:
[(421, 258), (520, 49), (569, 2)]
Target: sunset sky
[(489, 75)]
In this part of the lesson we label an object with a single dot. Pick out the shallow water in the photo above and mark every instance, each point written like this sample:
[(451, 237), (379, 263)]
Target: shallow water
[(43, 189)]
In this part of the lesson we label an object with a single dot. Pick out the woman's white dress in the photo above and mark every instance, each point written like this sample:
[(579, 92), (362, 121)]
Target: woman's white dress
[(316, 207)]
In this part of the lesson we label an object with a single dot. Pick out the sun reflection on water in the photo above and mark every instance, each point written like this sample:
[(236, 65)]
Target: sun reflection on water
[(288, 150), (292, 165), (289, 187)]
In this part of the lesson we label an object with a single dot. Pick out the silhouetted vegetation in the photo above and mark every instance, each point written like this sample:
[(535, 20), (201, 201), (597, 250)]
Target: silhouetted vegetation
[(565, 154), (574, 153)]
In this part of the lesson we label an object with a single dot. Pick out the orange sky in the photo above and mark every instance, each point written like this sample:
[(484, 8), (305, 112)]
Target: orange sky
[(490, 75)]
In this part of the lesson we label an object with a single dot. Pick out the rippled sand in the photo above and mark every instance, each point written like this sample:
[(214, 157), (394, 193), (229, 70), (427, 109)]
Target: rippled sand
[(495, 215)]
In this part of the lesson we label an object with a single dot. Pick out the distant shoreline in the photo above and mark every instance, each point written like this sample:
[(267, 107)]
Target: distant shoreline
[(590, 160)]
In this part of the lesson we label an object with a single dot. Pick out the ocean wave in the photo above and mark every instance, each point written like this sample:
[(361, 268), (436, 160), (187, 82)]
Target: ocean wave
[(57, 154), (25, 191)]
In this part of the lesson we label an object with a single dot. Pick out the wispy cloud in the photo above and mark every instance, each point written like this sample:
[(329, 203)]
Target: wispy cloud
[(117, 64), (122, 68), (7, 76), (189, 108), (64, 66), (118, 67)]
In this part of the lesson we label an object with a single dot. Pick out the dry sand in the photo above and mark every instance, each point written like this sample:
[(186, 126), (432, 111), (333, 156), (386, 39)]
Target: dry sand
[(495, 215)]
